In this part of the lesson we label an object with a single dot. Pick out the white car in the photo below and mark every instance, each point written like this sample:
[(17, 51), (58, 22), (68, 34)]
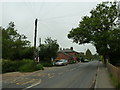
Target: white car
[(86, 60), (61, 62)]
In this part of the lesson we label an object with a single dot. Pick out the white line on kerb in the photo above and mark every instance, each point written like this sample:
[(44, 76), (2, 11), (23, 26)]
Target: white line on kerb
[(32, 85)]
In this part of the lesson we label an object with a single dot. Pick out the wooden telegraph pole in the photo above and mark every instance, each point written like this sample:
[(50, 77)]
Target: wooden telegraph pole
[(35, 51)]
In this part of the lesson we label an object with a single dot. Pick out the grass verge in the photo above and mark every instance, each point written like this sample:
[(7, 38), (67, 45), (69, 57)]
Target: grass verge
[(115, 82)]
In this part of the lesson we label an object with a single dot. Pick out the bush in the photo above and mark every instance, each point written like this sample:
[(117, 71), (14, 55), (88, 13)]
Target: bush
[(0, 66), (47, 64), (39, 67), (71, 62), (25, 65), (9, 66)]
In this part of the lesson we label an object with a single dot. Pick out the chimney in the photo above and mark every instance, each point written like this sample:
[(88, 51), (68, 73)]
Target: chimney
[(60, 49), (71, 48)]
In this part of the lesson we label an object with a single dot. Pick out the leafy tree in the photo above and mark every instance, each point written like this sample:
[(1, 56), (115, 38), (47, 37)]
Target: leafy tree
[(0, 42), (48, 50), (88, 54), (14, 45), (99, 29)]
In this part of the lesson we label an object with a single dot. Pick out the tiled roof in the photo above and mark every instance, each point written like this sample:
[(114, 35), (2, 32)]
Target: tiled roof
[(67, 50), (67, 54)]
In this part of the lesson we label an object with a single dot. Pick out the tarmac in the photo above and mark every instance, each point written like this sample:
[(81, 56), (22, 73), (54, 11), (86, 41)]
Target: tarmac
[(103, 79)]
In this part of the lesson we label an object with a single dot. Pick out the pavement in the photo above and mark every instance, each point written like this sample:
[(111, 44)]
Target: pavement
[(103, 78)]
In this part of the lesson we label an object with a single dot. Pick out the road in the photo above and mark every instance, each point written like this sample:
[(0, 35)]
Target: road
[(81, 75)]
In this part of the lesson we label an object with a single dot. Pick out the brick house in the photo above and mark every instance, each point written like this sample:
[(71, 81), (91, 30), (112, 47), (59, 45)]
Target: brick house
[(68, 54)]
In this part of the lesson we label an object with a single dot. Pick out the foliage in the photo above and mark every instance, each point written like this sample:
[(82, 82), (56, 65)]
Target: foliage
[(89, 54), (100, 29), (48, 50), (46, 63), (115, 81), (24, 65), (30, 67), (71, 62), (10, 66), (0, 43), (15, 45)]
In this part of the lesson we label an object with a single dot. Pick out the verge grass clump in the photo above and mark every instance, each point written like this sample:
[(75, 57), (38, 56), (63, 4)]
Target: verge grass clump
[(115, 82)]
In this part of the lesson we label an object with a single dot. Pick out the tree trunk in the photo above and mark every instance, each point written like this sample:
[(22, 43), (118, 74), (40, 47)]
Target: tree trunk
[(106, 59)]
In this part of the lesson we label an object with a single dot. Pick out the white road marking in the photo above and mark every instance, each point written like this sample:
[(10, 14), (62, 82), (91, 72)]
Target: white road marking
[(72, 69), (32, 85)]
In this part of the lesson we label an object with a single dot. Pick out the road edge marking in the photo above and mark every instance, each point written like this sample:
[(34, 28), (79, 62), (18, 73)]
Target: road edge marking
[(93, 85), (96, 78)]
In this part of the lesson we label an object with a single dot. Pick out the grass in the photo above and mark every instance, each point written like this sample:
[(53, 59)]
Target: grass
[(115, 82)]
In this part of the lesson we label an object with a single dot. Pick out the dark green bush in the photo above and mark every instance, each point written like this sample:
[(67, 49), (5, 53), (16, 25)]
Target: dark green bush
[(47, 64), (9, 66), (39, 67), (0, 66), (30, 67), (25, 65), (71, 62)]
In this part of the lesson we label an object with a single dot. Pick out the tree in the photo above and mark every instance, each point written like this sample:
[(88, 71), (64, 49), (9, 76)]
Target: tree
[(48, 50), (99, 29), (88, 54), (0, 42), (14, 45)]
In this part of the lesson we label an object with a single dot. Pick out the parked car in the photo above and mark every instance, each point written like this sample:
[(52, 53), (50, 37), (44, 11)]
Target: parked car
[(61, 62), (86, 60)]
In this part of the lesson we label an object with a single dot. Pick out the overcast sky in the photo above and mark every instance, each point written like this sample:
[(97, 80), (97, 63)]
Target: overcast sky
[(55, 20)]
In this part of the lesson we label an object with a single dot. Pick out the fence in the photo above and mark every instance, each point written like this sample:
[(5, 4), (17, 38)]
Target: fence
[(115, 71)]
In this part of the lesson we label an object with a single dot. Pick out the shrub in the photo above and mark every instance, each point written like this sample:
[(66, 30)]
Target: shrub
[(0, 66), (29, 66), (47, 64), (25, 65), (9, 66), (71, 62), (39, 67)]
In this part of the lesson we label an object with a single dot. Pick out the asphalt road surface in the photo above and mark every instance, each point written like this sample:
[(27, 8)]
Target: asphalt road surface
[(81, 75)]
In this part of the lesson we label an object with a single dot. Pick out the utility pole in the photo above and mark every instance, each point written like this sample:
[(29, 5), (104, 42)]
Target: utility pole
[(35, 52), (39, 49), (39, 41), (35, 33)]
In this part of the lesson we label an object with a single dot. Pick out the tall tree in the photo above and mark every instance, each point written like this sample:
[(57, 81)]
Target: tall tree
[(99, 29), (49, 49), (0, 42), (13, 43), (88, 54)]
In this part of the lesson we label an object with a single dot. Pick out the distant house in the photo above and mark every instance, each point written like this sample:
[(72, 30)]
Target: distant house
[(68, 54)]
